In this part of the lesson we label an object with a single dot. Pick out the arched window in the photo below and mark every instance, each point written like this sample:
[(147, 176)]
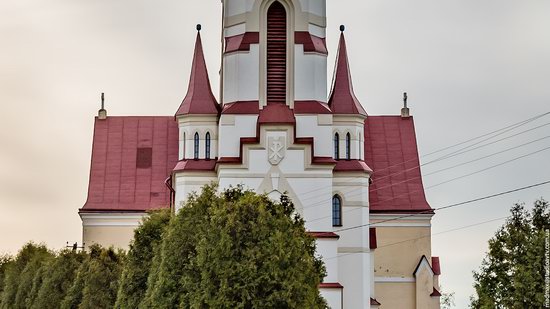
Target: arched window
[(196, 146), (360, 145), (336, 146), (183, 146), (207, 148), (348, 146), (336, 211), (276, 53)]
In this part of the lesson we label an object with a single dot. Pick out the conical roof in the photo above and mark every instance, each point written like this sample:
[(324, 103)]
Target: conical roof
[(199, 98), (342, 98)]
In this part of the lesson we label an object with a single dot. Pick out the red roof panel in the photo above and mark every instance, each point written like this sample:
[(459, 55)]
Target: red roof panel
[(436, 265), (391, 151), (131, 158)]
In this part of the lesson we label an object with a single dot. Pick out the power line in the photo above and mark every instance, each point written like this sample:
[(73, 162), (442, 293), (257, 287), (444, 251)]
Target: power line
[(487, 134), (426, 236), (487, 156), (448, 156), (449, 206), (505, 130), (429, 187)]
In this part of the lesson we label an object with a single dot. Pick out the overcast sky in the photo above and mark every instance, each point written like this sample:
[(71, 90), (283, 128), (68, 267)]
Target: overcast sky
[(469, 66)]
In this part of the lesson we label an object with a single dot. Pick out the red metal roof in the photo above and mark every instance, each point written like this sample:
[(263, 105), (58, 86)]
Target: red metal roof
[(435, 293), (324, 235), (199, 98), (351, 166), (372, 238), (276, 113), (436, 266), (391, 152), (196, 165), (342, 98), (131, 158)]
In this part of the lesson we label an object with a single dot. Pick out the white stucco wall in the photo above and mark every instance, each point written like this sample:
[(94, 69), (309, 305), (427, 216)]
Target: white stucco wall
[(232, 128), (310, 75), (320, 128), (241, 77)]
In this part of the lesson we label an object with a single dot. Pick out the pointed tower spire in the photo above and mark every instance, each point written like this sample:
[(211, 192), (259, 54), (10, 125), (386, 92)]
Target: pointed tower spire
[(342, 98), (199, 98)]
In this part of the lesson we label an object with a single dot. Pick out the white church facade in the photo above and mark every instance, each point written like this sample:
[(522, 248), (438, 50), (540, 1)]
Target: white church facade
[(354, 177)]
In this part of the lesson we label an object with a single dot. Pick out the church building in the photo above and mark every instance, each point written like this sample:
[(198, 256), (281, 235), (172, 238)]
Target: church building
[(276, 127)]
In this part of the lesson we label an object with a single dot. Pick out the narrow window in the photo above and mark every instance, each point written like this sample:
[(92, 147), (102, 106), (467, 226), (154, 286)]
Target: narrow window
[(183, 151), (359, 145), (196, 148), (336, 211), (207, 148), (336, 146), (348, 146), (276, 53)]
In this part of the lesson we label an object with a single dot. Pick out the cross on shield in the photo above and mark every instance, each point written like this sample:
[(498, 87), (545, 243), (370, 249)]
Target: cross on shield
[(276, 150)]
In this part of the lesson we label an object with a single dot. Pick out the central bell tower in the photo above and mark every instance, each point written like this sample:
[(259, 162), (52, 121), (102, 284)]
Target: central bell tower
[(274, 52)]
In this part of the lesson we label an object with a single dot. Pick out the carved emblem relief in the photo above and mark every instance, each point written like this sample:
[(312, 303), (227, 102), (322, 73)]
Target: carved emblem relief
[(276, 149)]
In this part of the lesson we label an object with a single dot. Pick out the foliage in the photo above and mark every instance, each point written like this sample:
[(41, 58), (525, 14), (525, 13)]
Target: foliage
[(5, 261), (233, 249), (100, 281), (20, 274), (236, 249), (59, 274), (447, 299), (512, 273), (147, 237)]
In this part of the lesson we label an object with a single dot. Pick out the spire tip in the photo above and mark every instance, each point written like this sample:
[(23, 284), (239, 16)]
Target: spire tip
[(342, 28), (199, 27)]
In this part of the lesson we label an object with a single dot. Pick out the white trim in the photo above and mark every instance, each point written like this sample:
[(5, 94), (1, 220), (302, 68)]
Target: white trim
[(110, 224), (89, 216), (393, 279)]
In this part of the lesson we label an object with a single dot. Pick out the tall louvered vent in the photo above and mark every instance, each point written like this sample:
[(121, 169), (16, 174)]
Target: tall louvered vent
[(276, 54)]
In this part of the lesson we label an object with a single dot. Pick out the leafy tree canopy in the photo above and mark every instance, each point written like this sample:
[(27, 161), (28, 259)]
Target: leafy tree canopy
[(512, 273), (19, 276), (147, 237), (59, 274), (96, 282), (236, 249)]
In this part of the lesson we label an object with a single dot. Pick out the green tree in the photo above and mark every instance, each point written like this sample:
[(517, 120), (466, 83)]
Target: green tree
[(147, 237), (512, 273), (60, 274), (236, 249), (5, 261), (96, 282), (20, 275)]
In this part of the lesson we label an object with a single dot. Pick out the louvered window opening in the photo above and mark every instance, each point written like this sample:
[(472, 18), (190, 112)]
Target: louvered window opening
[(276, 54)]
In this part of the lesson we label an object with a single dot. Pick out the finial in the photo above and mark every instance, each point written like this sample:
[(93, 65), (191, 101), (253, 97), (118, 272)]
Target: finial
[(102, 113), (342, 28), (405, 112), (199, 27)]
